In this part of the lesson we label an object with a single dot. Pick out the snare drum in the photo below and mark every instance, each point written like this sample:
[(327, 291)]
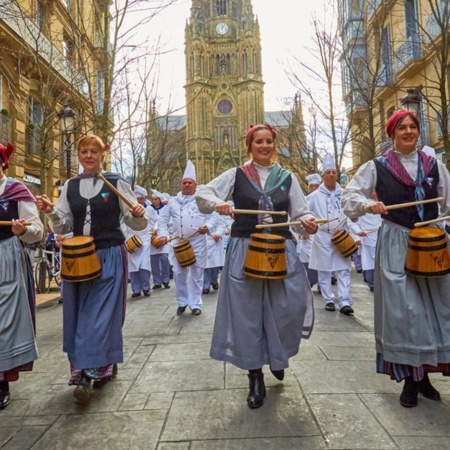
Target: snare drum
[(266, 257), (80, 261), (133, 243), (344, 243), (184, 253)]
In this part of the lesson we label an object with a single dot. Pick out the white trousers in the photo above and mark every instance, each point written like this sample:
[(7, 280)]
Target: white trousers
[(189, 285), (343, 283)]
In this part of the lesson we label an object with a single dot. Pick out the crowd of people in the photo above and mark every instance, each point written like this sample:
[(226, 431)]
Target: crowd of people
[(262, 315)]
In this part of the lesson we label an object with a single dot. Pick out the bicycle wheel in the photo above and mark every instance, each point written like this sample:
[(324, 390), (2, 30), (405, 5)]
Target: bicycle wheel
[(57, 277), (43, 277)]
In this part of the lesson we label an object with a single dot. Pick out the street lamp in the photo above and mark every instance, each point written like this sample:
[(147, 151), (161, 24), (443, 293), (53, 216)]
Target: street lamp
[(412, 100), (67, 117)]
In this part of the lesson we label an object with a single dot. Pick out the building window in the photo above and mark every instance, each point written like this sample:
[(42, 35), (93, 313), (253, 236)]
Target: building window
[(221, 7), (39, 14), (35, 113), (1, 91), (217, 65), (225, 107), (100, 96), (69, 49), (410, 17)]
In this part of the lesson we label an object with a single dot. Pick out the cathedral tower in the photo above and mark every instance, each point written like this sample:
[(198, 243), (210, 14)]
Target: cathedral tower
[(224, 87)]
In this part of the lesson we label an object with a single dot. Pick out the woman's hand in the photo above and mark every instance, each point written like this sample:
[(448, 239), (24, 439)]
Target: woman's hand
[(18, 227), (224, 209), (137, 210), (44, 204), (310, 225), (377, 208)]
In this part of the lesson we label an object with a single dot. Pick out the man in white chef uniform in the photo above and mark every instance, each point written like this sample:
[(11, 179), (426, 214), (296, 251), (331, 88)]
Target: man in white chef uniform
[(183, 212), (139, 266), (325, 203)]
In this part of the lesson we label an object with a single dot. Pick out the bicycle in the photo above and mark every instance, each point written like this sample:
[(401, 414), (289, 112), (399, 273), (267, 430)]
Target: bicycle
[(47, 269)]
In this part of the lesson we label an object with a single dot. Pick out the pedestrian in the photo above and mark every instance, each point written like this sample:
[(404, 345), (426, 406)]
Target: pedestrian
[(215, 255), (260, 321), (18, 347), (94, 310), (186, 219), (325, 202), (139, 265), (304, 242), (412, 332), (159, 253)]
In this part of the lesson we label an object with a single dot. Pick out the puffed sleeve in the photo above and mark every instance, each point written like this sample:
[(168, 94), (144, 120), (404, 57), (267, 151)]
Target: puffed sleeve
[(35, 231), (135, 223)]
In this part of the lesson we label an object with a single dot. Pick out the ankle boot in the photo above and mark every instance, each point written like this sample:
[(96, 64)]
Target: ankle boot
[(427, 389), (4, 394), (278, 374), (408, 397), (82, 393), (257, 388)]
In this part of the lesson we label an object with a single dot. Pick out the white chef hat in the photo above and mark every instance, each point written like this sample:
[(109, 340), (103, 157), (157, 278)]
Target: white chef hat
[(155, 193), (139, 191), (166, 196), (313, 178), (429, 151), (190, 171), (328, 163)]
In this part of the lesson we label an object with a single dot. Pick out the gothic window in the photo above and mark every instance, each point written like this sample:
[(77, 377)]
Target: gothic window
[(411, 17), (225, 107), (225, 132), (217, 65), (192, 65), (202, 65), (221, 7), (228, 65), (244, 62)]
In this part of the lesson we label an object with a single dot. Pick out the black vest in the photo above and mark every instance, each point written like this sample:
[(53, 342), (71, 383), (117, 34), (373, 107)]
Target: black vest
[(105, 214), (8, 210), (391, 191), (245, 196)]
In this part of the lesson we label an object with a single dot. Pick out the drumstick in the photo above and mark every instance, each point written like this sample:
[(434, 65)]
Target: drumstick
[(371, 231), (286, 224), (421, 202), (192, 234), (339, 224), (7, 223), (46, 200), (262, 211), (172, 239), (429, 222), (116, 191)]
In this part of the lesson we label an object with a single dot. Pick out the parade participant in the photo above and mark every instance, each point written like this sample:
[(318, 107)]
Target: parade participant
[(411, 331), (139, 266), (367, 227), (17, 295), (304, 242), (160, 254), (94, 310), (260, 321), (183, 213), (325, 258), (215, 256)]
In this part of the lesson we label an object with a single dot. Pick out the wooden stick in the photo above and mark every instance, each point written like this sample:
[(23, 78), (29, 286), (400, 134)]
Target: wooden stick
[(421, 202), (286, 224), (339, 224), (8, 223), (371, 231), (254, 211), (429, 222), (46, 200), (172, 239), (116, 191), (192, 234)]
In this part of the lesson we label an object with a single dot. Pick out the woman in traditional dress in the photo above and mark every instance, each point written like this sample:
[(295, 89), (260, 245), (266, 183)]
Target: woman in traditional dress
[(412, 329), (94, 310), (17, 295), (260, 321)]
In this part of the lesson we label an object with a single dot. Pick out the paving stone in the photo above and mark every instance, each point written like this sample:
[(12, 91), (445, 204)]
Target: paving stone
[(177, 352), (20, 438), (314, 442), (159, 400)]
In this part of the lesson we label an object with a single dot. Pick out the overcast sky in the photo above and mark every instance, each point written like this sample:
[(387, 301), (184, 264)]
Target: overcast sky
[(285, 32)]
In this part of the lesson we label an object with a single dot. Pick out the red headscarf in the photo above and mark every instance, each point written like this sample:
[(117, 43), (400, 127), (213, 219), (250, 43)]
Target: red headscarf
[(396, 117), (253, 128), (5, 154)]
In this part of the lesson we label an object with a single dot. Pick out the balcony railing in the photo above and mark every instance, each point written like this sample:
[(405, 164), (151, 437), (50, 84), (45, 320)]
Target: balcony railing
[(16, 19), (432, 26), (408, 52), (384, 76), (5, 129)]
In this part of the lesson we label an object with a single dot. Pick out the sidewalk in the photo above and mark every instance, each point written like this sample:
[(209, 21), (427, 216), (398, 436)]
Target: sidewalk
[(170, 395)]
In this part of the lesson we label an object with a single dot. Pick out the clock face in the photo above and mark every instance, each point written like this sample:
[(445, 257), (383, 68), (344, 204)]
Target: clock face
[(222, 28)]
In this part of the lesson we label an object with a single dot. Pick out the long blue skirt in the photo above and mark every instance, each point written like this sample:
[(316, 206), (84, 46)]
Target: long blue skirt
[(94, 311)]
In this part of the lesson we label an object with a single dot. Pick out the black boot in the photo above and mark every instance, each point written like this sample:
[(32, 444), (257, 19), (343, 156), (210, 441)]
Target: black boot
[(427, 389), (257, 390), (4, 394), (82, 393), (278, 374), (408, 397)]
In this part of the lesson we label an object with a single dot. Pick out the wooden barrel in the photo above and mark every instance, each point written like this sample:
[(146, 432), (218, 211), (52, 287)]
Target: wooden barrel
[(184, 253), (133, 243), (155, 241), (427, 254), (266, 257), (80, 261), (344, 243)]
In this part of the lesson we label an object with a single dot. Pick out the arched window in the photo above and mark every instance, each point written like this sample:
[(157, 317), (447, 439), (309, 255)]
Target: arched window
[(217, 65), (228, 64), (221, 7)]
